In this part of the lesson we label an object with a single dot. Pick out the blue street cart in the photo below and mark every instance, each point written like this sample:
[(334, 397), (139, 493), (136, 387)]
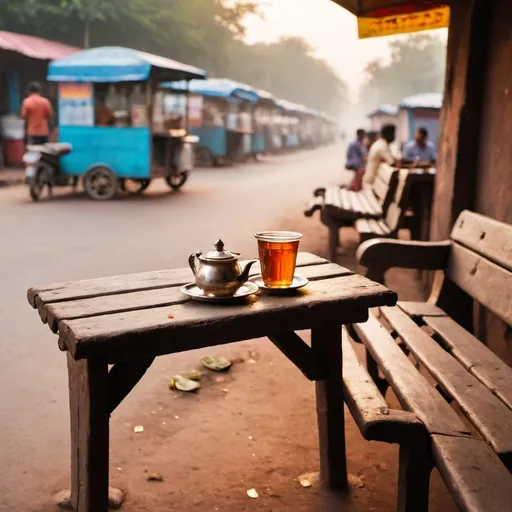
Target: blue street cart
[(112, 116), (222, 118)]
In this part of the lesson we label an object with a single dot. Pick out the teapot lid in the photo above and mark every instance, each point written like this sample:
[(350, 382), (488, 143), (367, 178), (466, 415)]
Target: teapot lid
[(220, 254)]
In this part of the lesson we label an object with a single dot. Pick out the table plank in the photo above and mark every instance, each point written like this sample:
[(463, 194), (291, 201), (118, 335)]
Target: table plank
[(53, 313), (152, 280), (193, 325)]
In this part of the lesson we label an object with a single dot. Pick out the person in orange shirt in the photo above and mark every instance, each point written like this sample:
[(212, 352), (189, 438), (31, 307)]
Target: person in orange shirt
[(36, 111)]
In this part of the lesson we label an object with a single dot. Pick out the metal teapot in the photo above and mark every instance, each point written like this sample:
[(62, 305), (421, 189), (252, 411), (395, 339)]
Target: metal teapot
[(218, 273)]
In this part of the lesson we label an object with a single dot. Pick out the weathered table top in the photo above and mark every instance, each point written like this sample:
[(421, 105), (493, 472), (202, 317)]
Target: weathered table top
[(145, 314)]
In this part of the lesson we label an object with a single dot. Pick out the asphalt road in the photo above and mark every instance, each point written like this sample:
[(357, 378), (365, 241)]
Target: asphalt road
[(70, 237)]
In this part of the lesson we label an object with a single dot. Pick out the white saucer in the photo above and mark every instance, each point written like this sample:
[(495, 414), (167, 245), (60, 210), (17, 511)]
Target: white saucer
[(192, 291), (297, 283)]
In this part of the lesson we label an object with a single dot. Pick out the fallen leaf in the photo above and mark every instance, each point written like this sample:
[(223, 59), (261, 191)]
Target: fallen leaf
[(155, 477), (252, 493), (138, 428), (183, 384), (310, 479), (217, 364)]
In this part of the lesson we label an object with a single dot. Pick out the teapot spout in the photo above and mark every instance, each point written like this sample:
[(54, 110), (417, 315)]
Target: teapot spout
[(244, 276)]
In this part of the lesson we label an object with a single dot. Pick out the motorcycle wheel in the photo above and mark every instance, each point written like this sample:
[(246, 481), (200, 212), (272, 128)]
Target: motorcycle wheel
[(176, 181), (134, 186), (101, 184), (41, 180)]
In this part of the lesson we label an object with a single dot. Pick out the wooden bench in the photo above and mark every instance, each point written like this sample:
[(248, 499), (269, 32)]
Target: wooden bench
[(473, 453), (340, 207)]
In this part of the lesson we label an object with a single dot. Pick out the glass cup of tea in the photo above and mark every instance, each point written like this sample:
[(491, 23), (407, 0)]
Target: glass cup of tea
[(278, 256)]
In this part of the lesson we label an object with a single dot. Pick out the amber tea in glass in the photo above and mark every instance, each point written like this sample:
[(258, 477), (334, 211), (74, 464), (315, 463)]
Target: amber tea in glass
[(278, 255)]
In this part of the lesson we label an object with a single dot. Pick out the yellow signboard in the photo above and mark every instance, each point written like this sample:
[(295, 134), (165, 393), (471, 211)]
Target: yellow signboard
[(404, 23)]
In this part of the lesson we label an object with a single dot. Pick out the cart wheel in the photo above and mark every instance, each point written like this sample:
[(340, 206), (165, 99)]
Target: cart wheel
[(176, 181), (101, 184), (203, 157), (42, 179), (134, 186)]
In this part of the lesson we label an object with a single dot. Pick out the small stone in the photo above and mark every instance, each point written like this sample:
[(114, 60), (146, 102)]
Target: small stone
[(63, 500), (382, 466), (225, 390), (176, 417), (116, 497), (155, 477), (253, 493), (251, 361), (138, 429)]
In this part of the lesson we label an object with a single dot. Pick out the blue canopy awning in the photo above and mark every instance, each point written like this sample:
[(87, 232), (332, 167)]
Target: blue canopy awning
[(116, 64), (218, 88)]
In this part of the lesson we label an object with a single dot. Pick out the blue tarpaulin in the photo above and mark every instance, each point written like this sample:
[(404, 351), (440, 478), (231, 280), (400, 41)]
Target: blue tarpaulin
[(116, 64), (219, 88)]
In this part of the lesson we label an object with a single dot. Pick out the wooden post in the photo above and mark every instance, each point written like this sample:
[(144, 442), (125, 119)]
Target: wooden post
[(326, 341), (89, 410), (461, 113)]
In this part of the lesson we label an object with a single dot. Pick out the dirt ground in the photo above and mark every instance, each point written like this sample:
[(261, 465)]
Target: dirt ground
[(253, 427)]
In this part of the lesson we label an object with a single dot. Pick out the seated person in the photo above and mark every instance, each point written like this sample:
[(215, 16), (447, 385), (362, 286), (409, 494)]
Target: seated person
[(421, 151), (379, 153), (104, 115)]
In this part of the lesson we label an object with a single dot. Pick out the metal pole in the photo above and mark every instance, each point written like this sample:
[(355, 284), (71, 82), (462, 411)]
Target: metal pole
[(187, 96)]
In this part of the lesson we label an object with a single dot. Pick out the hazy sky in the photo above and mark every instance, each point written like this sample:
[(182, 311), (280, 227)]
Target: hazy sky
[(329, 28)]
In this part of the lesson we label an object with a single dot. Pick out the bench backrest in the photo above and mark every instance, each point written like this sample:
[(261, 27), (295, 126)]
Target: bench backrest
[(480, 262), (384, 186)]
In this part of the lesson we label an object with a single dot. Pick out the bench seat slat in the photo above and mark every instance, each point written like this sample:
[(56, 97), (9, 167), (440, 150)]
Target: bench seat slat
[(476, 478), (370, 208), (486, 366), (420, 309), (412, 390), (369, 408), (344, 201), (490, 416), (370, 197)]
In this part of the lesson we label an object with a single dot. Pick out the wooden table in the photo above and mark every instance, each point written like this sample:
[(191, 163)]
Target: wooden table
[(126, 321)]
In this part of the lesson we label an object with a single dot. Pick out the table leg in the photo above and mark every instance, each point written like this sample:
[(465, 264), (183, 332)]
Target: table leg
[(326, 341), (89, 410)]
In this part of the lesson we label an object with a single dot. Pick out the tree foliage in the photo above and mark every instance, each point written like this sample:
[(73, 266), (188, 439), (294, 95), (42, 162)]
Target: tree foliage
[(205, 33), (417, 65)]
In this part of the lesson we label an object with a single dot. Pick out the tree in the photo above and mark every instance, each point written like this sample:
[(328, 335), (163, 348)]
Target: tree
[(417, 66), (205, 33), (289, 69)]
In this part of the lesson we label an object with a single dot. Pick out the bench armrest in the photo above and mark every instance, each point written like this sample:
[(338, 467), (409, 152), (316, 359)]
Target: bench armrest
[(379, 255)]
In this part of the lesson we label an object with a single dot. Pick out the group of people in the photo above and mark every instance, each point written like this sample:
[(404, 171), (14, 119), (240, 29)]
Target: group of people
[(365, 159)]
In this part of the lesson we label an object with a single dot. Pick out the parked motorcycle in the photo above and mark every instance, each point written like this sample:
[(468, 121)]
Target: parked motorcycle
[(42, 168)]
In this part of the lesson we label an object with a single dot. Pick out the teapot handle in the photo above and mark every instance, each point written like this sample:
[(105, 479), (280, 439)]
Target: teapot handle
[(192, 261)]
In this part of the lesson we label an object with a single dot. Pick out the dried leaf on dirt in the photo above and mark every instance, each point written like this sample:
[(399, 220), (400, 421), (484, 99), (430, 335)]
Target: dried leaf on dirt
[(138, 428), (215, 363), (252, 493), (183, 384)]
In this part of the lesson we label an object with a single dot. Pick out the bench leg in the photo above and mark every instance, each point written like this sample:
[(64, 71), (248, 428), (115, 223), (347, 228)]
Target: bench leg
[(326, 341), (334, 242), (413, 476), (89, 410)]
